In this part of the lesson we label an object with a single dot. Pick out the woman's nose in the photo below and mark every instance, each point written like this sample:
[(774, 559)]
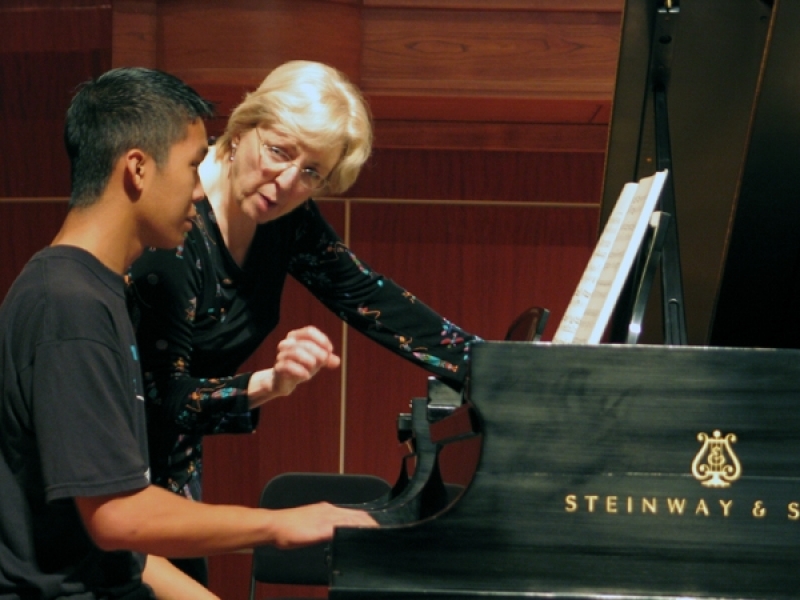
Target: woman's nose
[(288, 176)]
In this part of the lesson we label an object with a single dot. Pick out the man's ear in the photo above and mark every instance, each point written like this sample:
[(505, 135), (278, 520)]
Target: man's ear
[(135, 166)]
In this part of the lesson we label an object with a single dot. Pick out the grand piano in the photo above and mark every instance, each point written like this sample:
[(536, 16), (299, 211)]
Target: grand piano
[(664, 468)]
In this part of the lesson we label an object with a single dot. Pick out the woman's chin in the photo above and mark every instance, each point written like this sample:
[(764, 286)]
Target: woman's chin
[(259, 209)]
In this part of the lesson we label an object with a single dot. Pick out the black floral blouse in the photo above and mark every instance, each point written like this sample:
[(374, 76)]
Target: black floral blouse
[(199, 316)]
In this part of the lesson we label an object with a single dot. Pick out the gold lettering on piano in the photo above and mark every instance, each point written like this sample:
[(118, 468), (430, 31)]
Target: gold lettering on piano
[(651, 505), (676, 505), (614, 505), (726, 507), (716, 465), (702, 508)]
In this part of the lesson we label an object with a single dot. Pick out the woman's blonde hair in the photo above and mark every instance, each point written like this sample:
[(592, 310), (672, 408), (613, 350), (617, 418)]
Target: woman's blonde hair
[(316, 104)]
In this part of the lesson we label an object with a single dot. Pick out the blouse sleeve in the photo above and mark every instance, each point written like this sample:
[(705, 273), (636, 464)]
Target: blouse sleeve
[(374, 304), (166, 288)]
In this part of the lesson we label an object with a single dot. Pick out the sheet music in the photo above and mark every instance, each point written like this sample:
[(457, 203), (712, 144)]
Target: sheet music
[(589, 311)]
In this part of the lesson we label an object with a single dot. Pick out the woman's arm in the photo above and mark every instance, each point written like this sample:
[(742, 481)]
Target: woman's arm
[(374, 304), (167, 289)]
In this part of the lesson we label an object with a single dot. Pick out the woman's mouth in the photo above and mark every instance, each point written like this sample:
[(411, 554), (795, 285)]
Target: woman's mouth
[(265, 203)]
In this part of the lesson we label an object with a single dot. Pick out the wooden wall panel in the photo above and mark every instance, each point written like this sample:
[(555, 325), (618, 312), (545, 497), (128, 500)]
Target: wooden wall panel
[(473, 174), (504, 5), (506, 76), (135, 30), (25, 228), (508, 54), (522, 137), (242, 40), (47, 48)]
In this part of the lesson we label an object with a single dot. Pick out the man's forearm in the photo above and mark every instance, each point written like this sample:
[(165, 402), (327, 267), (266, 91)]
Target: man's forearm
[(154, 521)]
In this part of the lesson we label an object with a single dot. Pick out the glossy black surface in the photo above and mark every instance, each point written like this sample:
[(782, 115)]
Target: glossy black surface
[(609, 423)]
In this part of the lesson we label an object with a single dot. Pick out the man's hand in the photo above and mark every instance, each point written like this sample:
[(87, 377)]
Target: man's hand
[(300, 356), (313, 523)]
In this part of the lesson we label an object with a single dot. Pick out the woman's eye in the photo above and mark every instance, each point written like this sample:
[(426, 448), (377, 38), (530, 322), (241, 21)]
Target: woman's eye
[(279, 154)]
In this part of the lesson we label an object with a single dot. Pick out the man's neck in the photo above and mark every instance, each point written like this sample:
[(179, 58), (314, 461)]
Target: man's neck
[(107, 235)]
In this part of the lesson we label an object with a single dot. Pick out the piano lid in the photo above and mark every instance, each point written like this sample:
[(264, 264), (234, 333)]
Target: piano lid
[(729, 69)]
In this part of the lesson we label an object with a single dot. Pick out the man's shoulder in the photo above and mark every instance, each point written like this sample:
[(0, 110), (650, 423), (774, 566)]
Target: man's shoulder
[(72, 275), (60, 290)]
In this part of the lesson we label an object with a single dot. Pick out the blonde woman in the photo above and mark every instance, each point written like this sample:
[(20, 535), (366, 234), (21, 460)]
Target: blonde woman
[(203, 309)]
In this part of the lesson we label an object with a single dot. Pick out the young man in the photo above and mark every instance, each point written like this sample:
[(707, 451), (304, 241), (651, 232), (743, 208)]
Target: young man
[(78, 515)]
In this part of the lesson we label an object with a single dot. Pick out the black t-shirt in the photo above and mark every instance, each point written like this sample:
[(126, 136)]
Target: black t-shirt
[(72, 424)]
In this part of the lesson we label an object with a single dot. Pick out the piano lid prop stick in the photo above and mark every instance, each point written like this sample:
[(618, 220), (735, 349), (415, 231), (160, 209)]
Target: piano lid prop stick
[(589, 311)]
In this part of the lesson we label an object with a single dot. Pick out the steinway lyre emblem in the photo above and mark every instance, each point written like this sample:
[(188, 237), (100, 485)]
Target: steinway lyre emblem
[(716, 465)]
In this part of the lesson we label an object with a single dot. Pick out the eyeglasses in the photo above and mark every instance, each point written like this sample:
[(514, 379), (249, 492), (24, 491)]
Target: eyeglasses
[(276, 159)]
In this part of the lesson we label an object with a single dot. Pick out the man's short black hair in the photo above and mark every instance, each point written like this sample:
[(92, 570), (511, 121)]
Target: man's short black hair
[(125, 108)]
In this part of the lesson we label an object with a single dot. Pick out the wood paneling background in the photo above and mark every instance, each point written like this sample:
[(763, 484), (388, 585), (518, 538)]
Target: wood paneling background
[(482, 195)]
